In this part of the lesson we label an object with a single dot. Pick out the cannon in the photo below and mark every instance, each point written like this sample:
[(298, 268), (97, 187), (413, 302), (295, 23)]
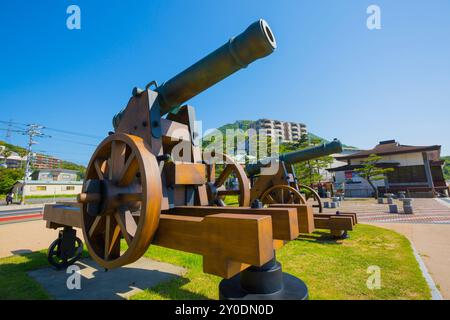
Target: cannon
[(283, 190), (283, 186), (146, 184)]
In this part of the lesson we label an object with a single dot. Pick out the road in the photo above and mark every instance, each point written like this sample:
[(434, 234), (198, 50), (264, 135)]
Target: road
[(20, 214)]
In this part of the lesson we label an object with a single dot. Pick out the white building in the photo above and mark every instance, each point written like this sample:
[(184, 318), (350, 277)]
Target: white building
[(284, 130), (47, 188), (417, 170), (48, 182)]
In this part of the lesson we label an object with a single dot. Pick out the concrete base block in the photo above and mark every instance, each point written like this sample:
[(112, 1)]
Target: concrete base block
[(407, 201), (393, 208), (408, 209)]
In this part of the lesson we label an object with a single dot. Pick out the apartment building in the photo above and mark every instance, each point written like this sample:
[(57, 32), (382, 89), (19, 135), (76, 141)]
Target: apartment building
[(284, 130), (40, 161)]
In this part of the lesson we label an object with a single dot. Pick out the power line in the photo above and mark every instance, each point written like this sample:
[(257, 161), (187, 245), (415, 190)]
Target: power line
[(75, 133), (76, 142)]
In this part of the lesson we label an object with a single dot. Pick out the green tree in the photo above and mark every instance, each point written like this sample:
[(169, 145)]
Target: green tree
[(446, 168), (8, 178), (6, 154), (371, 172), (22, 153), (308, 172)]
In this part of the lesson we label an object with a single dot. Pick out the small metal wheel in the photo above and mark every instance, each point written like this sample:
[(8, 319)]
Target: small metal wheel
[(61, 257), (121, 200), (216, 186), (282, 194), (310, 193)]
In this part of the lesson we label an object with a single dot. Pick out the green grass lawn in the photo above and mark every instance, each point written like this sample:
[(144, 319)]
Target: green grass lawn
[(331, 269)]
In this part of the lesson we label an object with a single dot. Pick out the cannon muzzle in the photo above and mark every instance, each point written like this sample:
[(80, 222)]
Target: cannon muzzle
[(324, 149), (256, 42)]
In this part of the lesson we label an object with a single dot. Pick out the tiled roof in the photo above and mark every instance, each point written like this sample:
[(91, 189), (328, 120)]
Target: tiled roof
[(389, 147)]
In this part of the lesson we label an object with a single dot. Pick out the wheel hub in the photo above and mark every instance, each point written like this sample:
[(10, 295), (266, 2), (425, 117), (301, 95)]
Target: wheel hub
[(109, 196)]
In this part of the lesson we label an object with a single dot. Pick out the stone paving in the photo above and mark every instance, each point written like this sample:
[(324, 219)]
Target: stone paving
[(96, 283), (435, 211)]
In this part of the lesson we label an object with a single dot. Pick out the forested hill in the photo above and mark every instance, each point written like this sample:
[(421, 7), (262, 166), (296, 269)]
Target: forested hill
[(22, 151)]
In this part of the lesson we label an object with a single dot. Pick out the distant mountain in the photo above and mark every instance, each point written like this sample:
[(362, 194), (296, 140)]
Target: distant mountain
[(245, 124)]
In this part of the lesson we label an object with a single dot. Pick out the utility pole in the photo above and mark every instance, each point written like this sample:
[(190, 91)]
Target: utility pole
[(8, 133), (32, 131)]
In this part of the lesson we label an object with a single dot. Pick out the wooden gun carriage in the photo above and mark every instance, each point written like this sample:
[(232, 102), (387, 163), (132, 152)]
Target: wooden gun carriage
[(146, 184), (281, 187)]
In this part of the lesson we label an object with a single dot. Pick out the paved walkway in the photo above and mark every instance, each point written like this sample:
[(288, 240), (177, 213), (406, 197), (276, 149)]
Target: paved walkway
[(25, 237), (432, 241), (433, 211), (95, 283)]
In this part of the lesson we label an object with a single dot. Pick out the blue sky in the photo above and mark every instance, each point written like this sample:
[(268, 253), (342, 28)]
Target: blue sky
[(329, 70)]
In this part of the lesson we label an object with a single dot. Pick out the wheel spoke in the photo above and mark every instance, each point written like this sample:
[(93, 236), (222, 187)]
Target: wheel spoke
[(270, 199), (130, 197), (223, 175), (120, 219), (112, 245), (118, 150), (129, 171), (131, 221), (100, 167), (94, 225)]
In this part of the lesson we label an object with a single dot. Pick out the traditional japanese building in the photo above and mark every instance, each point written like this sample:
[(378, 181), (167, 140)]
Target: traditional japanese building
[(417, 170)]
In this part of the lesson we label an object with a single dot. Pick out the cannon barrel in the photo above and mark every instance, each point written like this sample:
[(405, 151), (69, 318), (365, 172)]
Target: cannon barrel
[(256, 42), (324, 149)]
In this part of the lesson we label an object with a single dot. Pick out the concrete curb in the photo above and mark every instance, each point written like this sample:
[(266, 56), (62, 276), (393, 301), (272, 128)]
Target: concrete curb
[(22, 207), (435, 294), (445, 203)]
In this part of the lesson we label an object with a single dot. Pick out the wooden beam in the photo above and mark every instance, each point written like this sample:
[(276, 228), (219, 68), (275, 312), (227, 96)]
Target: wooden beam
[(285, 224), (185, 173), (228, 243), (328, 215), (61, 214), (334, 223), (305, 216)]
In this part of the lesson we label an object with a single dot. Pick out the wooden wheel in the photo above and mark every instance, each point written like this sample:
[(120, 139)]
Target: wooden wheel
[(121, 200), (216, 186), (311, 193), (282, 194)]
